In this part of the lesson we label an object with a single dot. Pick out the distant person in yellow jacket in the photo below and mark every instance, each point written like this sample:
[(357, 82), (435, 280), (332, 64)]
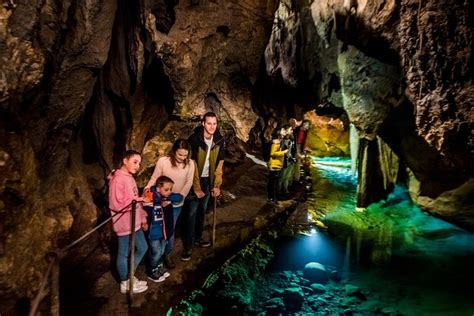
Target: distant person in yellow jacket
[(275, 163)]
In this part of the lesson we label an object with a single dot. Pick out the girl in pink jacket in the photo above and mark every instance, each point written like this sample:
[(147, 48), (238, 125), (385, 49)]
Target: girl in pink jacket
[(122, 191)]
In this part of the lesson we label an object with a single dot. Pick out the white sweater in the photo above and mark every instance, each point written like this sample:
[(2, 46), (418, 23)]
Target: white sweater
[(182, 177)]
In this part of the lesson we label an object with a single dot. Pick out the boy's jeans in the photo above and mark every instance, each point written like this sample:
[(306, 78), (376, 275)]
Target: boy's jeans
[(123, 253), (156, 250), (195, 213)]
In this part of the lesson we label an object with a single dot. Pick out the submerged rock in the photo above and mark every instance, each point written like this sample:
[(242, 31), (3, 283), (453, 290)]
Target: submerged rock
[(355, 291), (275, 304), (293, 298), (316, 273), (318, 288)]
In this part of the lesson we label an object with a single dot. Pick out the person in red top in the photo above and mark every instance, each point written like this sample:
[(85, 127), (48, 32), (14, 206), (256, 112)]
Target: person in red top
[(122, 191), (300, 133)]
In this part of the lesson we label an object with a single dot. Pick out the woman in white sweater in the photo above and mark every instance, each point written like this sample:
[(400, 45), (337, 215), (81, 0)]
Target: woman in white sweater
[(180, 168)]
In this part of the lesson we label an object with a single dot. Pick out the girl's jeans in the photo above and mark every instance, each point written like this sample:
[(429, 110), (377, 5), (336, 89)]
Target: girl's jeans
[(124, 253)]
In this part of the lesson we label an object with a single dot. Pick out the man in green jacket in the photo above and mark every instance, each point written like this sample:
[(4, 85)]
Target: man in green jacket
[(207, 146)]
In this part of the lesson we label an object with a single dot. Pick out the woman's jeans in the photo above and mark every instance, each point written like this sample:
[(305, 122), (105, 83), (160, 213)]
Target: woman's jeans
[(195, 214), (170, 241), (124, 253)]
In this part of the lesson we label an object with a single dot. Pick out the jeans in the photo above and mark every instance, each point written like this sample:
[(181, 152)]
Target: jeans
[(170, 241), (195, 214), (124, 253), (272, 184), (155, 252)]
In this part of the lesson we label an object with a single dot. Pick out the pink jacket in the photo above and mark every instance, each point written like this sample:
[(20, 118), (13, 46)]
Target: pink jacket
[(122, 190)]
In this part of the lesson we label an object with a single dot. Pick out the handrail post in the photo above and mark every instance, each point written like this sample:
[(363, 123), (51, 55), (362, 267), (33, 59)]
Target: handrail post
[(131, 268), (54, 296)]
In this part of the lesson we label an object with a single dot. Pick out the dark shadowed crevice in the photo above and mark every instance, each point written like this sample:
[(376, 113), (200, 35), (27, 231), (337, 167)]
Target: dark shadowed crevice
[(212, 102), (433, 170), (329, 109), (223, 29), (355, 32), (157, 86), (334, 84), (90, 151), (163, 10)]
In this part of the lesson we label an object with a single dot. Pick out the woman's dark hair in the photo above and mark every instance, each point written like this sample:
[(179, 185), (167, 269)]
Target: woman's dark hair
[(276, 133), (179, 144)]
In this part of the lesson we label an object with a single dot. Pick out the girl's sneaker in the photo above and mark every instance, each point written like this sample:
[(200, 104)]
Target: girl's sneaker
[(137, 287), (136, 280)]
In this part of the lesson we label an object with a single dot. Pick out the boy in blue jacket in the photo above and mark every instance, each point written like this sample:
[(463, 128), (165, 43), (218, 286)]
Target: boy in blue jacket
[(160, 223)]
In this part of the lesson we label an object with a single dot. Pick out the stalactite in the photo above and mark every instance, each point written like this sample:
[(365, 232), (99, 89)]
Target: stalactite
[(377, 169), (354, 147), (388, 164)]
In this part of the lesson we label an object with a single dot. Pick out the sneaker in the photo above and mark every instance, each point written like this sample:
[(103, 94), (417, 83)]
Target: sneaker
[(163, 271), (156, 276), (136, 280), (202, 243), (137, 287), (186, 255)]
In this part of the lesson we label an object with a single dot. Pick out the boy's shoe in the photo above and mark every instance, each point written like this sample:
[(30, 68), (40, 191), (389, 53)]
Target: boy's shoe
[(156, 276), (202, 243), (186, 255), (168, 261), (137, 287), (161, 270)]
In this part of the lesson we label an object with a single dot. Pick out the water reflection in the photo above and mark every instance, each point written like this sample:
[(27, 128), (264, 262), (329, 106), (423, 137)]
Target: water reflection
[(426, 262)]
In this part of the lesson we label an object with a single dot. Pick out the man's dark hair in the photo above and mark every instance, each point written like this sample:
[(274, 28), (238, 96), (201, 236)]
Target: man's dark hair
[(208, 114)]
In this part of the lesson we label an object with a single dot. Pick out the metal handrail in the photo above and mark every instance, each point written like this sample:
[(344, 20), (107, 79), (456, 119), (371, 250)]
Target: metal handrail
[(55, 256)]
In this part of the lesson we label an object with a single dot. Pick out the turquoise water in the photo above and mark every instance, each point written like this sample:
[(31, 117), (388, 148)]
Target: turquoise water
[(406, 259), (390, 259)]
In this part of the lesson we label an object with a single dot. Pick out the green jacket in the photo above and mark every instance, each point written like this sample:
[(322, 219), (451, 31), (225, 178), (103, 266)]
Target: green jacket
[(216, 157)]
